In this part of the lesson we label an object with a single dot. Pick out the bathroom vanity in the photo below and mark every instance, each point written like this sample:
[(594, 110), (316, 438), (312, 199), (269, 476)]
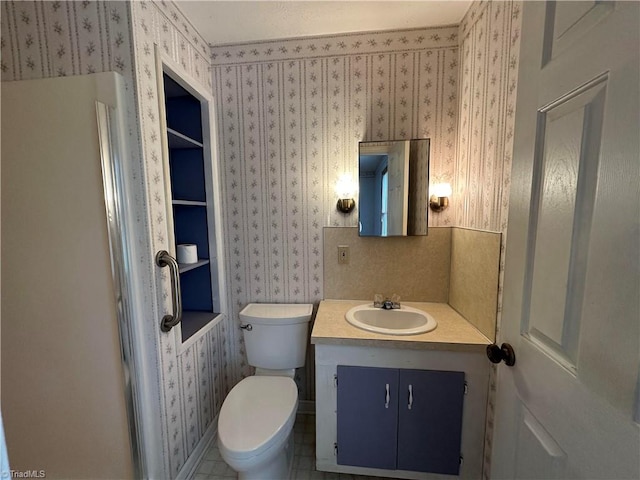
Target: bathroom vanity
[(402, 406)]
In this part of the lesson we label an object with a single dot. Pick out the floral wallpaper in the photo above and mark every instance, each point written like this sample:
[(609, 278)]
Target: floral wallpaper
[(49, 39), (290, 116), (490, 39), (489, 54), (195, 380)]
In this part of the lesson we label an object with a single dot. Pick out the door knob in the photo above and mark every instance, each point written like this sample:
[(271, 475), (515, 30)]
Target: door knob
[(497, 354)]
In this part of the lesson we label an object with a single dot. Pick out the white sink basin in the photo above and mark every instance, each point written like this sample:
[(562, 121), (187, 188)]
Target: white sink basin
[(402, 321)]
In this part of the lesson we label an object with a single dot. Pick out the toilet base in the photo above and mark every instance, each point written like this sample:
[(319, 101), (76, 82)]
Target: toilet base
[(279, 468)]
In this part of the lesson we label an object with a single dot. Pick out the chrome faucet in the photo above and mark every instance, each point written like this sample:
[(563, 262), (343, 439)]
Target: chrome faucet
[(387, 304)]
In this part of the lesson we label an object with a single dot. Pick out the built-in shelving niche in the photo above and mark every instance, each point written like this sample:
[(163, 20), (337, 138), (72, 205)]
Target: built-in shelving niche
[(191, 206)]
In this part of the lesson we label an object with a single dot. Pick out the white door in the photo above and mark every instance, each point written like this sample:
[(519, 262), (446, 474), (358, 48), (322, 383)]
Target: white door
[(398, 196), (569, 407)]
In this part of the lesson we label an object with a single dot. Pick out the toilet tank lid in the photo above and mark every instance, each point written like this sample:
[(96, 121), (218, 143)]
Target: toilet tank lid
[(277, 313)]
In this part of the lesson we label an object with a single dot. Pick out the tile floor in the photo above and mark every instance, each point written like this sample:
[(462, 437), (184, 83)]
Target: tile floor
[(213, 467)]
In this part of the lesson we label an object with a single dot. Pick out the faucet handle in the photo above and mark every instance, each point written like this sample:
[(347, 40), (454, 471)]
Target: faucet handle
[(395, 300), (378, 300)]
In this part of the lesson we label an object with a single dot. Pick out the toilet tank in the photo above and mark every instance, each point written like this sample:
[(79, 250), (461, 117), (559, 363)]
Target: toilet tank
[(278, 334)]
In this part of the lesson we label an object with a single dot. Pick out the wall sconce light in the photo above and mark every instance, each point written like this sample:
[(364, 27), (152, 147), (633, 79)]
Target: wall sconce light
[(440, 193), (346, 190)]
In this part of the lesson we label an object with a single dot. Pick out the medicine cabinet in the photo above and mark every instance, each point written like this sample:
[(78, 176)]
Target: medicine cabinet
[(393, 188)]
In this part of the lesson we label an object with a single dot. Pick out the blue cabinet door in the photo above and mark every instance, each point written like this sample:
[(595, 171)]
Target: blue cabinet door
[(367, 416), (430, 421)]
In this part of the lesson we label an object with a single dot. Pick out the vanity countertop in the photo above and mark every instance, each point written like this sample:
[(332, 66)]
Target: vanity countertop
[(453, 331)]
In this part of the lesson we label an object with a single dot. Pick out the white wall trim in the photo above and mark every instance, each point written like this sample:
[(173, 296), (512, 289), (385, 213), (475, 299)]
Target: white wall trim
[(189, 468)]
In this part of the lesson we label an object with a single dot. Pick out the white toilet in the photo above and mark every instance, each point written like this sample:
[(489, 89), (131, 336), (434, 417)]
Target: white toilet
[(255, 426)]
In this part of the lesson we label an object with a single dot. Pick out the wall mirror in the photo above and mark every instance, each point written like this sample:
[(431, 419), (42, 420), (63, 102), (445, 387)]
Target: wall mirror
[(393, 186)]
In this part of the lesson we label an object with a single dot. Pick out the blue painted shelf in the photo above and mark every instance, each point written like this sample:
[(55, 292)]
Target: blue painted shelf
[(185, 139)]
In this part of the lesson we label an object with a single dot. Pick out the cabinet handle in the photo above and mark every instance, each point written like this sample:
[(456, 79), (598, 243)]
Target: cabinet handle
[(163, 259), (386, 397), (410, 396)]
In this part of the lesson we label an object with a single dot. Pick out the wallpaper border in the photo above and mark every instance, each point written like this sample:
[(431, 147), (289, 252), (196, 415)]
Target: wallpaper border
[(366, 43)]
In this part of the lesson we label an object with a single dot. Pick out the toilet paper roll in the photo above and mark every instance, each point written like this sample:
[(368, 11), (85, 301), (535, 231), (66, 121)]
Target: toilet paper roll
[(187, 253)]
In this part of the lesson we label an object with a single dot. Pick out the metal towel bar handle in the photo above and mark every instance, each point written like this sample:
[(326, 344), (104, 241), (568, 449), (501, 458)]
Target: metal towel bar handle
[(387, 397), (410, 401), (163, 259)]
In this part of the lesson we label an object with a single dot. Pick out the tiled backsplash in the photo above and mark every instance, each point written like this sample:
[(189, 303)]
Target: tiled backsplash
[(450, 265), (473, 287), (416, 268)]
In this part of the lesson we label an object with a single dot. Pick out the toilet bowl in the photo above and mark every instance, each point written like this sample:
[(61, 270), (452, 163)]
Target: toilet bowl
[(255, 427)]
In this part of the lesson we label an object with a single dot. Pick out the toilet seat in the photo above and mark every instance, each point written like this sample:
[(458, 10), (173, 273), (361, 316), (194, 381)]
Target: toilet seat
[(258, 413)]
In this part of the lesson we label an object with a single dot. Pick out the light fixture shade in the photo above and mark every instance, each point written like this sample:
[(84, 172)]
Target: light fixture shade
[(441, 190), (346, 187)]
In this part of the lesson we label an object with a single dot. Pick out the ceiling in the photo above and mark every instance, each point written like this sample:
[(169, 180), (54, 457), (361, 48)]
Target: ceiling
[(223, 22)]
